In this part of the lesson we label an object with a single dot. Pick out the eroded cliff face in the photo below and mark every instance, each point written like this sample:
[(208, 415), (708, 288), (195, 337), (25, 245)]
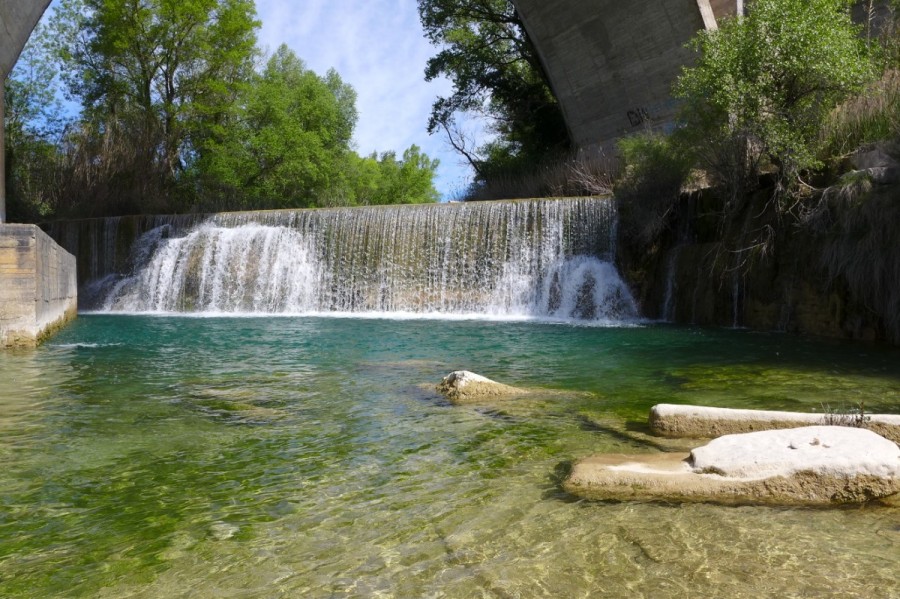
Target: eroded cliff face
[(836, 279)]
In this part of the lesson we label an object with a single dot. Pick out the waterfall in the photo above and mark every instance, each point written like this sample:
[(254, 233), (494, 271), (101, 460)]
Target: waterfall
[(667, 314), (527, 258)]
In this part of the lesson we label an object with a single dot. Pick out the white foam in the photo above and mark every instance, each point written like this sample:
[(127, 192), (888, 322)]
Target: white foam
[(503, 262)]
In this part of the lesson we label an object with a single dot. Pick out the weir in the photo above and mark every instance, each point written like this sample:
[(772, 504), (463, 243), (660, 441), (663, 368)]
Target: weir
[(526, 258)]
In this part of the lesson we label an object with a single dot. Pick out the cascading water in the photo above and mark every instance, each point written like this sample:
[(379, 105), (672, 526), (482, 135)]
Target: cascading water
[(528, 258)]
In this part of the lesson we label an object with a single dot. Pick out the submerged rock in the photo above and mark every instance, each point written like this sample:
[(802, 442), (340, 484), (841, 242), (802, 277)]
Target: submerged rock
[(816, 465), (461, 386)]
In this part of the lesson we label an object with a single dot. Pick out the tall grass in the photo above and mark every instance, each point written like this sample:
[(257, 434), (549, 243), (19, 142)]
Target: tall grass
[(869, 117)]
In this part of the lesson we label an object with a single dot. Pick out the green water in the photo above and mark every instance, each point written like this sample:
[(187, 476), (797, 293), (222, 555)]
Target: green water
[(309, 457)]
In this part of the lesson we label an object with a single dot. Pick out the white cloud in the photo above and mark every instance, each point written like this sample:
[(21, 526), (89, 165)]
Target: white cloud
[(379, 48)]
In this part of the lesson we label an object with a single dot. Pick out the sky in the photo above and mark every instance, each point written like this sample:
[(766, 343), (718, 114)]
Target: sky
[(378, 47)]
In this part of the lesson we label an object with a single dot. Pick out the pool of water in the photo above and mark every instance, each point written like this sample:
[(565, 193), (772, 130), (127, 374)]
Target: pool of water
[(310, 457)]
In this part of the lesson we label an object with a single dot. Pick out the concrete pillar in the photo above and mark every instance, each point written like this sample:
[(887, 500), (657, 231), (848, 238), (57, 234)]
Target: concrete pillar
[(709, 17), (612, 63)]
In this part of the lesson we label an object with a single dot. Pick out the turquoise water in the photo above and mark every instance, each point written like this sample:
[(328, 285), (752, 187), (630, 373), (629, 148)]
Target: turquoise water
[(310, 457)]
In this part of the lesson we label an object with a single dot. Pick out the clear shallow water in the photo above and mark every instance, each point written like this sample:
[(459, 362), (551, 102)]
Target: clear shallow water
[(265, 457)]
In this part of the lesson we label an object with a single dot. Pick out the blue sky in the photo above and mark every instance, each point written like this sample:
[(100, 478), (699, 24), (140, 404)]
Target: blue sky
[(379, 48)]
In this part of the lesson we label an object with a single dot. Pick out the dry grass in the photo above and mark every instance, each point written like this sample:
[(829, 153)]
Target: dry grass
[(109, 172), (586, 173), (872, 116)]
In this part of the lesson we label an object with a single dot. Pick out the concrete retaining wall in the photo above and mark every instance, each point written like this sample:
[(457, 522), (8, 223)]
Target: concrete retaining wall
[(38, 287)]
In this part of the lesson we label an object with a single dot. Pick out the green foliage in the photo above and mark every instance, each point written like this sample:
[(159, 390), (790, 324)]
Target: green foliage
[(655, 171), (176, 117), (764, 83), (287, 145), (286, 141), (32, 125), (496, 73), (386, 180)]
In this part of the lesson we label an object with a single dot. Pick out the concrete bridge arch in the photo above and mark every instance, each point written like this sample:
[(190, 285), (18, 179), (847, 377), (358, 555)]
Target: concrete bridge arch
[(612, 64)]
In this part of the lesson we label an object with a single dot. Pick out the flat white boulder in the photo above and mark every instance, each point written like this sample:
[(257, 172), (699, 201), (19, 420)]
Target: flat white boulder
[(817, 465), (461, 386), (829, 450), (670, 420)]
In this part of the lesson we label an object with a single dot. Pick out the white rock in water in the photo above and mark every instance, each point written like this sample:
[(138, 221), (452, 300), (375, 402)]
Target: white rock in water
[(462, 378), (830, 450), (222, 531), (700, 421), (815, 465), (463, 385)]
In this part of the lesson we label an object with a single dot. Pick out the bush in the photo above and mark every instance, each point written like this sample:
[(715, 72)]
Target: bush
[(764, 84), (655, 171), (582, 174)]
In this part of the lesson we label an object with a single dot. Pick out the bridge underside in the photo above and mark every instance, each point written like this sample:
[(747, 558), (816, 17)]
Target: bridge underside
[(612, 63)]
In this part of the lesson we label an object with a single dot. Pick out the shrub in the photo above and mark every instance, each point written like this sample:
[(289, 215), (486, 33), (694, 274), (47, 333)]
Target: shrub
[(582, 174), (655, 171), (764, 83)]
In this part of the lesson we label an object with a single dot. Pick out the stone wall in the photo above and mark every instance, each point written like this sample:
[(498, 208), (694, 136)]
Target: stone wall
[(38, 288)]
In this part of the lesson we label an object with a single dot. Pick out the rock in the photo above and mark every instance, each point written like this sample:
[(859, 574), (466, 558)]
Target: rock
[(462, 386), (839, 450), (884, 175), (670, 420), (874, 157), (816, 465)]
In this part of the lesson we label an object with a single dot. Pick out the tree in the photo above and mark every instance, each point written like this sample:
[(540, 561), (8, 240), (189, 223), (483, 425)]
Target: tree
[(288, 141), (495, 71), (32, 127), (178, 114), (288, 145), (764, 83), (385, 180), (155, 77)]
